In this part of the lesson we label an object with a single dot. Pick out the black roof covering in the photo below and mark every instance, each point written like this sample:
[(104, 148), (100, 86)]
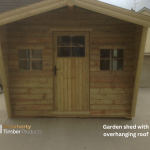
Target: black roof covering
[(6, 5)]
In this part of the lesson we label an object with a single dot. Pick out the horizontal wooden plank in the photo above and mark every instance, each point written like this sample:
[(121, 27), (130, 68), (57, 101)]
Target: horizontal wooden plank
[(31, 96), (29, 39), (36, 46), (32, 107), (109, 107), (13, 63), (94, 68), (30, 74), (103, 40), (13, 57), (110, 79), (110, 112), (110, 90), (13, 68), (45, 113), (41, 27), (47, 57), (30, 90), (111, 96), (29, 33), (48, 65), (111, 74), (114, 33), (31, 82), (92, 113), (110, 102), (31, 101), (30, 113), (111, 85)]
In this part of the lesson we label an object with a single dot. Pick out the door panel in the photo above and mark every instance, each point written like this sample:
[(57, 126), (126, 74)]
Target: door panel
[(71, 81)]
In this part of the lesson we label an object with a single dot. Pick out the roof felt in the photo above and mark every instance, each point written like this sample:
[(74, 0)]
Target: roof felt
[(6, 5)]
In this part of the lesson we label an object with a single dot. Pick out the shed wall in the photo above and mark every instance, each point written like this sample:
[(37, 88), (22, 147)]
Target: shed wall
[(145, 75), (111, 92)]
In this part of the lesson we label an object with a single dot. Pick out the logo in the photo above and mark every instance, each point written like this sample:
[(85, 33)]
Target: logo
[(0, 129)]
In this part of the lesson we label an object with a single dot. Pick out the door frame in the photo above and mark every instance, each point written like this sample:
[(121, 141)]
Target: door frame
[(87, 69)]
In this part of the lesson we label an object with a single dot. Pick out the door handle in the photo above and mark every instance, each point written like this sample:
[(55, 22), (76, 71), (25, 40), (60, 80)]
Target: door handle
[(56, 70)]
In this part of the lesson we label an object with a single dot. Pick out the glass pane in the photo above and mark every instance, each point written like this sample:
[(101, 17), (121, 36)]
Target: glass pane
[(63, 51), (36, 65), (63, 41), (105, 65), (24, 53), (117, 53), (78, 51), (37, 53), (105, 53), (117, 64), (24, 65), (78, 41)]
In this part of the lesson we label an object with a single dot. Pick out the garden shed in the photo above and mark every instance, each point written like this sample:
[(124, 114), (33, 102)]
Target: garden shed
[(71, 58)]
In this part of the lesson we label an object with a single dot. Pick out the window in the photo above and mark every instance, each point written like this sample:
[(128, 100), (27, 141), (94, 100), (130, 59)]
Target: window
[(70, 46), (111, 59), (30, 59)]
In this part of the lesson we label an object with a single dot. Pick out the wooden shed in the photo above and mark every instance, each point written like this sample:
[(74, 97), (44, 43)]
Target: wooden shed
[(71, 58)]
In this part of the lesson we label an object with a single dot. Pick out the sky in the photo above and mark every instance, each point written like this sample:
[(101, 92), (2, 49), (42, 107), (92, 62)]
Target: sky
[(128, 4)]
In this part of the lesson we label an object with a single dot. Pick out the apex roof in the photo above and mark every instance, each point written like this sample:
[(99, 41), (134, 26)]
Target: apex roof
[(15, 10)]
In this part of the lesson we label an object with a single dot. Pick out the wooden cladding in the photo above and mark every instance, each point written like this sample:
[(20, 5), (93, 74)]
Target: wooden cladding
[(110, 93), (71, 85)]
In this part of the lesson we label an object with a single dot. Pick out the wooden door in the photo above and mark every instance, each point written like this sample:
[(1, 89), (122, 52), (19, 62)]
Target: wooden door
[(71, 80)]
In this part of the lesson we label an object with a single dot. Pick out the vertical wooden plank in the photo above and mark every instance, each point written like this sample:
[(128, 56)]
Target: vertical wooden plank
[(87, 66), (138, 71), (65, 83), (73, 84), (58, 75), (62, 84), (55, 101), (77, 84), (69, 85), (80, 84), (83, 86)]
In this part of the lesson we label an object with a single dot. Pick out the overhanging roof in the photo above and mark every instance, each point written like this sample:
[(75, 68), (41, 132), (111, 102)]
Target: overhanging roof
[(93, 5)]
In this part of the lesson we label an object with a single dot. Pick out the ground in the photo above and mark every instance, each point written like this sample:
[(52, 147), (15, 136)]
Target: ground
[(76, 133)]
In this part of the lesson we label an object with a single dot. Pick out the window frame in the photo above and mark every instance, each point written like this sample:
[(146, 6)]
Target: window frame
[(71, 46), (30, 48), (111, 47)]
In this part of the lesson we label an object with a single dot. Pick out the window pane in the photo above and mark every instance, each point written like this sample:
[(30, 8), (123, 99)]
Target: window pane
[(78, 51), (24, 65), (63, 51), (117, 53), (105, 53), (105, 65), (36, 65), (63, 41), (24, 53), (37, 53), (117, 64), (78, 40)]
